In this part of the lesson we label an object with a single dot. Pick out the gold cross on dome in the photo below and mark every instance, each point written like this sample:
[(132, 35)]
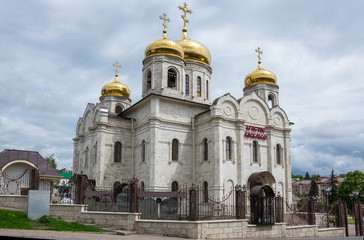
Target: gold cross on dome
[(165, 19), (185, 11), (259, 52), (116, 65)]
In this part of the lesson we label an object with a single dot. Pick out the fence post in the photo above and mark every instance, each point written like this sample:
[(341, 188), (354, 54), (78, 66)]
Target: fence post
[(311, 211), (133, 188), (358, 218), (193, 203), (239, 202)]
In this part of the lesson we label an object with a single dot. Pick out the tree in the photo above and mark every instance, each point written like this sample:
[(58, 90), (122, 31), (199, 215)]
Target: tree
[(314, 191), (307, 176), (353, 181), (52, 161), (334, 187), (300, 177)]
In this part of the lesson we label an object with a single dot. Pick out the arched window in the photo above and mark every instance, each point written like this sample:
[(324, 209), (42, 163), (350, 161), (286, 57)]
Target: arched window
[(207, 89), (118, 109), (205, 187), (270, 100), (228, 148), (187, 85), (255, 151), (278, 153), (174, 186), (198, 86), (117, 152), (149, 80), (143, 151), (95, 153), (142, 187), (205, 147), (172, 78), (86, 157), (175, 144)]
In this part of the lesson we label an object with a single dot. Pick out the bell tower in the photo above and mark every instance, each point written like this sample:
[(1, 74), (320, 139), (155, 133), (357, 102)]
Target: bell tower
[(263, 82)]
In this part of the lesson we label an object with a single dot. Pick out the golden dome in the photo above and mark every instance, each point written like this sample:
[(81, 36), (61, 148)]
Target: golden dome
[(260, 75), (194, 50), (164, 46), (115, 88)]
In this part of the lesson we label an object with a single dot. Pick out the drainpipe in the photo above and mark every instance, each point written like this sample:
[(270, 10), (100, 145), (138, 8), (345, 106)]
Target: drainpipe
[(132, 148), (193, 149)]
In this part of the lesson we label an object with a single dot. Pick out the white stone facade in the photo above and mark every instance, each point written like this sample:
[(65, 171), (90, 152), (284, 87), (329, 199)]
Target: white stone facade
[(163, 137)]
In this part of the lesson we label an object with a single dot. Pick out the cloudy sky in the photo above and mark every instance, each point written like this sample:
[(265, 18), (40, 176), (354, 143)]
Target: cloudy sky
[(55, 56)]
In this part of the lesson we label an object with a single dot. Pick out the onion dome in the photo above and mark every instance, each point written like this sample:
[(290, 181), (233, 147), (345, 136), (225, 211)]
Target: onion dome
[(116, 88), (260, 75), (164, 46), (194, 50)]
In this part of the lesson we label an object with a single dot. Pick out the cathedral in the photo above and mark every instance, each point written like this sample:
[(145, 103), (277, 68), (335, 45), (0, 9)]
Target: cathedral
[(175, 135)]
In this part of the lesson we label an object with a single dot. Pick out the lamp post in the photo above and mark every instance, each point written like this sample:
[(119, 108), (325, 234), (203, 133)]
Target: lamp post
[(327, 192)]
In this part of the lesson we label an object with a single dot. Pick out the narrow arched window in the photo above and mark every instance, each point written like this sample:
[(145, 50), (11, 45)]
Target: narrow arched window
[(142, 187), (86, 157), (117, 152), (143, 151), (255, 151), (228, 148), (172, 78), (205, 187), (174, 186), (270, 100), (149, 80), (175, 144), (207, 89), (95, 153), (205, 147), (118, 109), (198, 86), (278, 153), (187, 85)]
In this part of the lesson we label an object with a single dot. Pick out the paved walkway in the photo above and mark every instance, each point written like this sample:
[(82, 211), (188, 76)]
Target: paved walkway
[(41, 234)]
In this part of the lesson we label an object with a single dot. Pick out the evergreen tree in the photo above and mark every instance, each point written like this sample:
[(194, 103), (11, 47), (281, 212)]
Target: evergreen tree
[(314, 191), (334, 187), (307, 176)]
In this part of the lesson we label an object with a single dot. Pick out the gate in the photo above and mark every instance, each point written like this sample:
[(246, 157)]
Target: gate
[(265, 208), (121, 198)]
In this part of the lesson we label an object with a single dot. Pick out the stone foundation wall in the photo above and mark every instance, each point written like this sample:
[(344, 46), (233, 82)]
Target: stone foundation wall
[(14, 201), (77, 213), (231, 229)]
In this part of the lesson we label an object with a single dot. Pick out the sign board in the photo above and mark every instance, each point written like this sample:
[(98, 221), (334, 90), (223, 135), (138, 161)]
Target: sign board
[(38, 203)]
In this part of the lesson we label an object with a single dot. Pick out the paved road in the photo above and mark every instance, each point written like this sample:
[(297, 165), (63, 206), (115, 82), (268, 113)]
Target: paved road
[(41, 234)]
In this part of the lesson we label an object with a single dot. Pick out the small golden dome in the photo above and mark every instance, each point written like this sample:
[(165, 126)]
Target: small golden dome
[(164, 46), (115, 88), (260, 75), (194, 50)]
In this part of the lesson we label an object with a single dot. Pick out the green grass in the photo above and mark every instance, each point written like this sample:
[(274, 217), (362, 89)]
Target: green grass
[(18, 220)]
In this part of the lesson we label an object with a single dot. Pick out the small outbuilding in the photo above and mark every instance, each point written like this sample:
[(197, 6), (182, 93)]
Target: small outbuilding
[(22, 170)]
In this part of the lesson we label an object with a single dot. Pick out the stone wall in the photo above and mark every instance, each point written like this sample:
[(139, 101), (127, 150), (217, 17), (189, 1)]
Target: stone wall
[(77, 213), (231, 229), (14, 201)]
